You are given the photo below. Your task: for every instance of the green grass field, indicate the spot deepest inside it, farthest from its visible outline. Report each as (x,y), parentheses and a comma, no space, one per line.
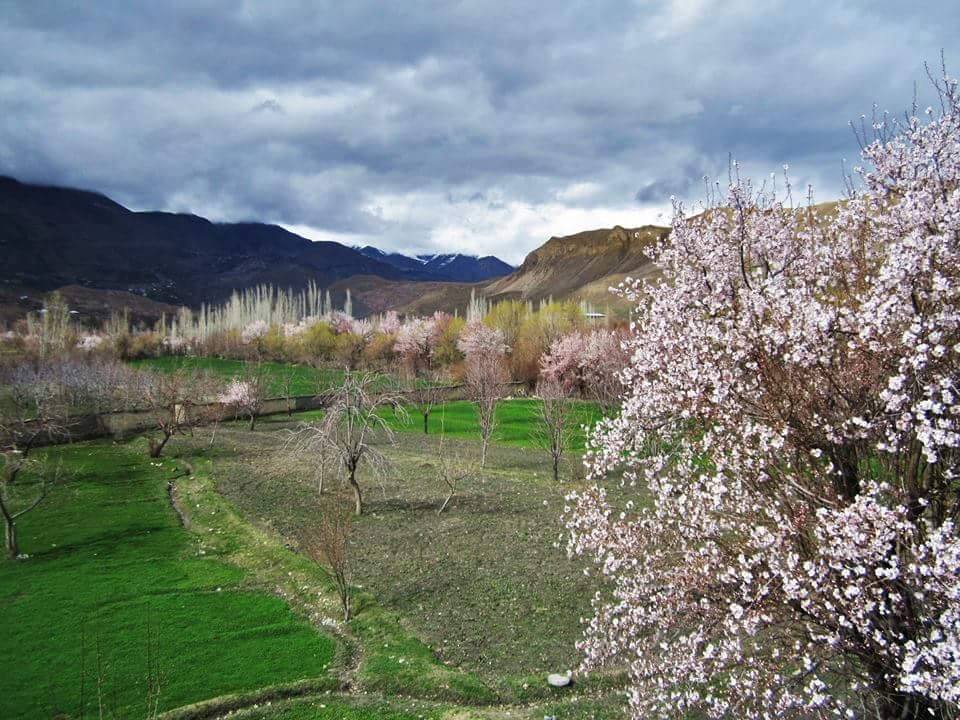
(517,423)
(109,568)
(458,616)
(305,380)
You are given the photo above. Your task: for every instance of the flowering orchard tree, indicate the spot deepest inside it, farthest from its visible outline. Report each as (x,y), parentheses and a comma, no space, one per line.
(485,376)
(480,340)
(792,409)
(564,362)
(413,344)
(590,364)
(362,327)
(175,343)
(605,355)
(298,328)
(89,342)
(245,397)
(341,322)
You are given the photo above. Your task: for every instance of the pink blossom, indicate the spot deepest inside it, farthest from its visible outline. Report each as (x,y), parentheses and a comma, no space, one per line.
(238,393)
(791,410)
(479,340)
(590,363)
(414,339)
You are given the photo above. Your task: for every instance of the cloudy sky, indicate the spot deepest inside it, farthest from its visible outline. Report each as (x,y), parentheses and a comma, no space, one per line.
(476,126)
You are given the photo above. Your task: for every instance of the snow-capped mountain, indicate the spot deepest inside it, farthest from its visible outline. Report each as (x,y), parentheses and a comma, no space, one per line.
(455,267)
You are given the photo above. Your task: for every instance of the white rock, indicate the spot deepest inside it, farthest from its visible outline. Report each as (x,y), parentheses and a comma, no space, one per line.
(558,680)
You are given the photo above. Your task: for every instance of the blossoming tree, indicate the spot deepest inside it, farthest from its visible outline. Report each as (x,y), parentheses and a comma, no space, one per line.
(589,364)
(485,376)
(413,344)
(245,396)
(792,410)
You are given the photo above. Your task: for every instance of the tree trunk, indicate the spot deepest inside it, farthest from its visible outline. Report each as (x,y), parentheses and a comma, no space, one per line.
(156,447)
(846,461)
(426,429)
(253,421)
(12,548)
(357,498)
(556,468)
(483,452)
(447,501)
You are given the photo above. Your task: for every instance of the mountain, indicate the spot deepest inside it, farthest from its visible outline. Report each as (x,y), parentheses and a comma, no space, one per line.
(582,266)
(455,267)
(52,237)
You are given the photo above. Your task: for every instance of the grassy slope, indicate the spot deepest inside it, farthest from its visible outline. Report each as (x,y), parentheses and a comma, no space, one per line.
(110,563)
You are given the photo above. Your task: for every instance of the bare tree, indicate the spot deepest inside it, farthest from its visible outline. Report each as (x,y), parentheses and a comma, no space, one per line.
(174,401)
(424,393)
(348,428)
(328,545)
(451,471)
(554,420)
(286,386)
(485,378)
(30,415)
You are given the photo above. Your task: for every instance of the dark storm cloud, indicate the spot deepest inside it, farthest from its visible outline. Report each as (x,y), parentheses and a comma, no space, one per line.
(475,125)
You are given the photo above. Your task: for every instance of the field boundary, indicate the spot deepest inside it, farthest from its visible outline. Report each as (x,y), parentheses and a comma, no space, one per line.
(121,424)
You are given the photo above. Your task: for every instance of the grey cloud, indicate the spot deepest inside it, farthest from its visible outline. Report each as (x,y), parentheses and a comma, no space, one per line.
(389,121)
(269,105)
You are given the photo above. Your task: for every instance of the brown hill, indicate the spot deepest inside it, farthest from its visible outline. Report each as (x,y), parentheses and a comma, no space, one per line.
(91,305)
(581,266)
(578,267)
(372,295)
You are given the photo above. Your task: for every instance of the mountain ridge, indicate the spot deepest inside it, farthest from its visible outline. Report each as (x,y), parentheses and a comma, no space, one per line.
(53,236)
(456,267)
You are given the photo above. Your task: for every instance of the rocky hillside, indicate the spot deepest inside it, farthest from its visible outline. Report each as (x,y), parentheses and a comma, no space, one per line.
(578,267)
(581,266)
